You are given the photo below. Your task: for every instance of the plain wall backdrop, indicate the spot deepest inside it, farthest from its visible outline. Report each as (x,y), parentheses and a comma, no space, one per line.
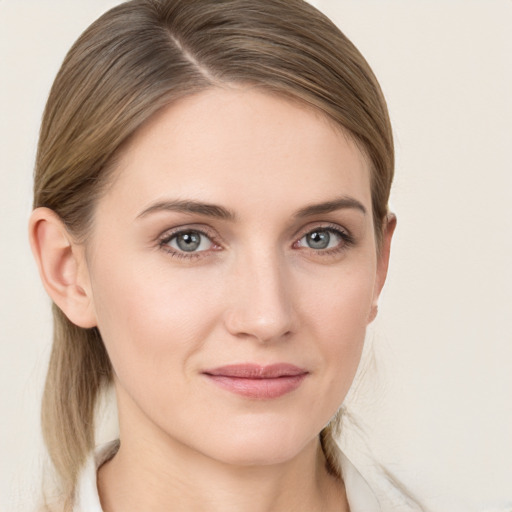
(439,410)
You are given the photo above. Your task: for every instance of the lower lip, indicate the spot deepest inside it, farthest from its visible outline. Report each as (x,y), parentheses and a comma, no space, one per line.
(262,389)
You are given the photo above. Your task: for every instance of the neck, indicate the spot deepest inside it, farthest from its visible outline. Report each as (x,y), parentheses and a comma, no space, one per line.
(154,472)
(132,482)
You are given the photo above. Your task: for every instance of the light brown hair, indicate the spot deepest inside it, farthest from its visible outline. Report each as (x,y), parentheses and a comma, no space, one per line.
(133,61)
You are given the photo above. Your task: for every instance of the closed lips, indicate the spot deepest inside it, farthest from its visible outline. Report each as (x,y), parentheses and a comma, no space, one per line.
(258,382)
(252,371)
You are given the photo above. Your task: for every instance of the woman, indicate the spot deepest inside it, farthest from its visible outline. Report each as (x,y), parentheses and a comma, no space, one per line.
(211,223)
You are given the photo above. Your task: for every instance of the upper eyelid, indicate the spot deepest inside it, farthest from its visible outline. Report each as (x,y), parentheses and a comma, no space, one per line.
(328,226)
(172,232)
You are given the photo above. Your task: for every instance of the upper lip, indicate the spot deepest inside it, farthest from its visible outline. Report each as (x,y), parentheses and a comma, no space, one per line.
(256,371)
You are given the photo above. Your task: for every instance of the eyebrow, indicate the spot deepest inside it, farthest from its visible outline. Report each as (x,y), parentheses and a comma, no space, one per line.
(341,203)
(219,212)
(189,206)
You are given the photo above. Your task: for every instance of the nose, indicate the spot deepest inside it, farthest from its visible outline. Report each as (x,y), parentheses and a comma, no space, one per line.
(260,304)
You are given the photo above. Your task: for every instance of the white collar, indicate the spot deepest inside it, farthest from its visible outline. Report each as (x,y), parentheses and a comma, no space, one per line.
(360,495)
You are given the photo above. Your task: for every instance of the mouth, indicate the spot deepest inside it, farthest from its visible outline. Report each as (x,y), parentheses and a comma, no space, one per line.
(258,382)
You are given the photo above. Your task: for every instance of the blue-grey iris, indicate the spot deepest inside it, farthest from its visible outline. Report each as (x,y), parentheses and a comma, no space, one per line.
(188,241)
(318,239)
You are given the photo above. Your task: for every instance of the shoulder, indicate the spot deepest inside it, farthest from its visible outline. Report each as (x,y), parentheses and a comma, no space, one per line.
(371,487)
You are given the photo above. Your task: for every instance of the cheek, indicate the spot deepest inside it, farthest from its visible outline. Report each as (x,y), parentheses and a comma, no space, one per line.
(339,314)
(148,318)
(341,301)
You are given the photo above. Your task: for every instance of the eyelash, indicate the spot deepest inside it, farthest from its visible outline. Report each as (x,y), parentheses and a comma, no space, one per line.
(167,237)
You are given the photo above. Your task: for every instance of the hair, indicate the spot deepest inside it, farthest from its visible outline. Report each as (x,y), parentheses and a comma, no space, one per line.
(138,58)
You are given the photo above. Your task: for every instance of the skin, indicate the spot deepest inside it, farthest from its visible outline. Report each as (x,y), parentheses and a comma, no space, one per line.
(253,291)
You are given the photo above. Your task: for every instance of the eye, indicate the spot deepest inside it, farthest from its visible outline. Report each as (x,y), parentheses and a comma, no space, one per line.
(325,239)
(188,241)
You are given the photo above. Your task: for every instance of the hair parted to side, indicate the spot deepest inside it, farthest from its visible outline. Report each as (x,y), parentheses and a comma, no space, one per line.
(137,58)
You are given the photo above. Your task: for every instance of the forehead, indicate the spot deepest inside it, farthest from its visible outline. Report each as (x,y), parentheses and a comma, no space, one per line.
(240,146)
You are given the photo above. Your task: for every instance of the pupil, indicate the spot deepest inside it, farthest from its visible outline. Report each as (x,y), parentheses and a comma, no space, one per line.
(189,241)
(318,239)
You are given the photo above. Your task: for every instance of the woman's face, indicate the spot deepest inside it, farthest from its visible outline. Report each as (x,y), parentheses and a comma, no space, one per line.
(232,268)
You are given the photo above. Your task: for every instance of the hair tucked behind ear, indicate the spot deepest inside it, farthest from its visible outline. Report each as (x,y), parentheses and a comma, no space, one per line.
(137,58)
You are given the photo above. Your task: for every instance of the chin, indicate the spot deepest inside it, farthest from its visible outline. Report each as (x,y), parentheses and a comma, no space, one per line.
(261,445)
(259,454)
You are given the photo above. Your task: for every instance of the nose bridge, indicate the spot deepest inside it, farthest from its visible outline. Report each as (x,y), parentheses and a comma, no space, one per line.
(261,305)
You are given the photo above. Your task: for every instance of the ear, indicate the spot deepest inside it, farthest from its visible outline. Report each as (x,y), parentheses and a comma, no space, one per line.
(382,262)
(62,267)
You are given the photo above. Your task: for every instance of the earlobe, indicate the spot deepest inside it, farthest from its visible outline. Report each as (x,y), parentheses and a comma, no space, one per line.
(382,263)
(62,267)
(373,312)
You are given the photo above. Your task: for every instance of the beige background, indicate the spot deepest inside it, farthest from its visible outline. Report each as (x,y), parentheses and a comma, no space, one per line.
(438,410)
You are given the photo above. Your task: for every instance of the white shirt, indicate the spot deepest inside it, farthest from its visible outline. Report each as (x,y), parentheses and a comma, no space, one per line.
(368,488)
(360,496)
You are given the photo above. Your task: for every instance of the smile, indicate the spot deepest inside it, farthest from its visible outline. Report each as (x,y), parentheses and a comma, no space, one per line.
(259,382)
